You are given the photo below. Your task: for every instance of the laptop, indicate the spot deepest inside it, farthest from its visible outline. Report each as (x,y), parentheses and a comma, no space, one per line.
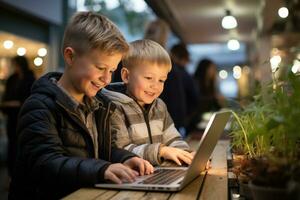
(176,178)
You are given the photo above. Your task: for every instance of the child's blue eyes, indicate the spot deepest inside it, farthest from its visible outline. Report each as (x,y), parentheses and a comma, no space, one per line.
(100,68)
(103,68)
(150,78)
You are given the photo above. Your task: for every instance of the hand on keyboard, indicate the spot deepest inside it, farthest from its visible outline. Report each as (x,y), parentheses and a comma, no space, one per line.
(118,172)
(140,165)
(179,156)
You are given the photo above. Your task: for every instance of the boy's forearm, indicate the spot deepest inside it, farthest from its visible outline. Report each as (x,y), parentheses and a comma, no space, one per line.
(47,167)
(70,170)
(151,153)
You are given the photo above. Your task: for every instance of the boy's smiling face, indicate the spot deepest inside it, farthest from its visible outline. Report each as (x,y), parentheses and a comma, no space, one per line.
(145,82)
(91,72)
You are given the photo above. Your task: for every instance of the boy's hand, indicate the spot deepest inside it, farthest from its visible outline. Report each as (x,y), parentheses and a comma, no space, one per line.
(208,164)
(118,172)
(193,153)
(177,155)
(143,166)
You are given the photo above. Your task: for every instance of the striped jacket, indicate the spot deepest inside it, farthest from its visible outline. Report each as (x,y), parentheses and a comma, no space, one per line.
(142,131)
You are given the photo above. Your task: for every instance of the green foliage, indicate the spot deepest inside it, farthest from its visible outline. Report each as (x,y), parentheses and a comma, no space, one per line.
(267,131)
(269,127)
(249,131)
(123,14)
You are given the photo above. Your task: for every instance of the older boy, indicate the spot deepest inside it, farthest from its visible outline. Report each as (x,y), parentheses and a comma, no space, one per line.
(143,125)
(64,134)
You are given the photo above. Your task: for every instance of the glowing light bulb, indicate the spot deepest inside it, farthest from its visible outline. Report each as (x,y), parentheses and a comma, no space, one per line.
(42,52)
(8,44)
(21,51)
(38,61)
(233,45)
(223,74)
(283,12)
(229,22)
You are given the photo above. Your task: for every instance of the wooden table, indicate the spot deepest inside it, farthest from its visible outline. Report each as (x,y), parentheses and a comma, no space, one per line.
(214,187)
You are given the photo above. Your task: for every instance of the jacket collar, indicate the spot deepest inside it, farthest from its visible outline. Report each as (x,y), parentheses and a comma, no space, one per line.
(47,85)
(117,95)
(117,92)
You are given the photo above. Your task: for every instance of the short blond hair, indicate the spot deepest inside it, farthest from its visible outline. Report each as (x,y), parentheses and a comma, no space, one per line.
(88,30)
(146,51)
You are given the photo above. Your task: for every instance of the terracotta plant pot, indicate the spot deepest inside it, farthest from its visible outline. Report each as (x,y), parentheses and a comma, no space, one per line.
(264,192)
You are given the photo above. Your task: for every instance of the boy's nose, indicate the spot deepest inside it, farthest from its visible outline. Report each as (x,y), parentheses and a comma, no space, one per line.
(154,85)
(106,78)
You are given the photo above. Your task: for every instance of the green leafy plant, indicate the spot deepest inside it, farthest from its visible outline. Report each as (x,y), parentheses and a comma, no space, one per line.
(249,131)
(267,132)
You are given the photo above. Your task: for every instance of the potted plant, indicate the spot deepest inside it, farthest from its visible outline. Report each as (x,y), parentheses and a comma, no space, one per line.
(248,141)
(266,132)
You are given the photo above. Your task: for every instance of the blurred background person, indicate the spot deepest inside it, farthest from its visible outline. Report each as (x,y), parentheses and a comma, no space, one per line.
(158,31)
(180,59)
(17,89)
(206,82)
(174,97)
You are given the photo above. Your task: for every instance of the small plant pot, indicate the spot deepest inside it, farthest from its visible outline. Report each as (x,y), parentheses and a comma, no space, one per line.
(265,192)
(245,191)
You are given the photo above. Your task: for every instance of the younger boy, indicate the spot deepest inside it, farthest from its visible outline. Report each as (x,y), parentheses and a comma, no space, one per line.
(143,125)
(64,137)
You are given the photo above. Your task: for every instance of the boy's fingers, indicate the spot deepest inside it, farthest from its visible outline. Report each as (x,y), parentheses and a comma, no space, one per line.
(133,173)
(148,168)
(114,178)
(127,175)
(141,167)
(185,159)
(151,168)
(136,173)
(188,155)
(208,164)
(193,153)
(175,159)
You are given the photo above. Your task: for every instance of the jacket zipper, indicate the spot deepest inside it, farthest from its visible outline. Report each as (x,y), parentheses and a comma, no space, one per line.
(145,114)
(146,118)
(107,129)
(148,127)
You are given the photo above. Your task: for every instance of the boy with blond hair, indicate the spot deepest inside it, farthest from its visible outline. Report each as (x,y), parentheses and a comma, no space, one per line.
(143,124)
(64,140)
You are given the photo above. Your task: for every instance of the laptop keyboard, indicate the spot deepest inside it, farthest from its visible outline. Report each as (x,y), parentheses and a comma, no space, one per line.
(164,176)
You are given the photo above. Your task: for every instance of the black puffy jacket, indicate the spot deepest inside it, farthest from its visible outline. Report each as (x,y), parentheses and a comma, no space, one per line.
(55,151)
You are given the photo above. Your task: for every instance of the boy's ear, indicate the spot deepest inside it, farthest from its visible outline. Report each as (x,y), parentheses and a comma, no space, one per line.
(125,75)
(69,54)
